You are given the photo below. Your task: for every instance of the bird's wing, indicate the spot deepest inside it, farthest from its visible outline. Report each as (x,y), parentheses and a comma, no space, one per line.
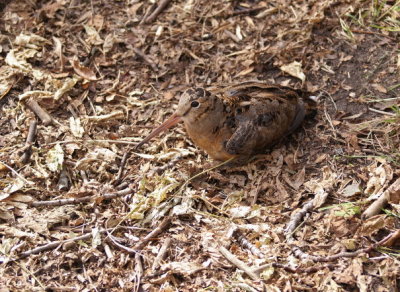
(264,114)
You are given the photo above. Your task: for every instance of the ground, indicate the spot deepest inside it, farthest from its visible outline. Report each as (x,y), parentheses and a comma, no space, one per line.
(95,77)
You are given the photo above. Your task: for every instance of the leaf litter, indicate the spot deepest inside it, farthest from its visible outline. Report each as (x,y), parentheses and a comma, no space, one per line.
(99,75)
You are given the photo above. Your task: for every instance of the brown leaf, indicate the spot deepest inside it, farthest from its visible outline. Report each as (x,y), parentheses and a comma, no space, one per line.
(373,225)
(83,71)
(379,88)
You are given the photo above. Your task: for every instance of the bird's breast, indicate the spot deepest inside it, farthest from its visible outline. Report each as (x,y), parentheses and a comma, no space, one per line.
(210,140)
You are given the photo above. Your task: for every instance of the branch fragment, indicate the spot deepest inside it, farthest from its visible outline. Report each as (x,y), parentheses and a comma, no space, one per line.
(163,4)
(247,244)
(55,244)
(238,263)
(158,230)
(146,58)
(29,141)
(161,254)
(42,114)
(63,202)
(392,191)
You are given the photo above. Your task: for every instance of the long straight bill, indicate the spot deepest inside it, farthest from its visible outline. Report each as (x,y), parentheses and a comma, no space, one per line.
(173,120)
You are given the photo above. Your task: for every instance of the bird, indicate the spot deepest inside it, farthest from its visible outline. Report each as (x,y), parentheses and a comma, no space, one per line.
(238,121)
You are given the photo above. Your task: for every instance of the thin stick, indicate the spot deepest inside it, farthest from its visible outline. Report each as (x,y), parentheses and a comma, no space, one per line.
(17,174)
(63,202)
(148,12)
(163,4)
(238,263)
(116,243)
(296,218)
(54,244)
(381,112)
(394,236)
(394,6)
(245,11)
(160,228)
(145,58)
(29,141)
(203,172)
(162,253)
(352,254)
(372,32)
(122,167)
(308,270)
(92,141)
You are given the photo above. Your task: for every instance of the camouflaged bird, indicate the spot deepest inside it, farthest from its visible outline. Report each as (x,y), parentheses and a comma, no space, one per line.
(237,121)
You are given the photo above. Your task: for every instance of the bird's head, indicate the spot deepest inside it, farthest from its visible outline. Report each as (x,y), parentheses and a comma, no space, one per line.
(193,106)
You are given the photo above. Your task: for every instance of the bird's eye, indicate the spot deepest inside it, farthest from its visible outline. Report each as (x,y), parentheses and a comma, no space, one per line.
(195,104)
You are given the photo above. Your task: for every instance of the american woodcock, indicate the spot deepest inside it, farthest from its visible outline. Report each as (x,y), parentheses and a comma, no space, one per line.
(237,121)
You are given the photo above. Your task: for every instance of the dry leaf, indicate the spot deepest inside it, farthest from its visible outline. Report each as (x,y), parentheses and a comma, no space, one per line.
(55,158)
(76,128)
(83,71)
(379,88)
(294,69)
(373,225)
(67,85)
(93,36)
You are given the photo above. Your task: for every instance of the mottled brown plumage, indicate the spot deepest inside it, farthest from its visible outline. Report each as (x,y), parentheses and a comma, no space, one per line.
(237,121)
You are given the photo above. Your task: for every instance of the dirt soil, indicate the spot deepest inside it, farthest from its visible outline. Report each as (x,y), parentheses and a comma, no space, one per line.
(82,82)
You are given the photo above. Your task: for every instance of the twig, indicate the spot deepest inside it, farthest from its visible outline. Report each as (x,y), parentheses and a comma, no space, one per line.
(372,32)
(238,263)
(168,165)
(161,254)
(163,4)
(394,6)
(201,173)
(55,244)
(308,270)
(375,207)
(247,244)
(138,273)
(244,11)
(62,202)
(330,122)
(116,243)
(296,218)
(32,274)
(122,167)
(16,173)
(392,236)
(381,112)
(138,264)
(29,141)
(148,12)
(43,115)
(145,58)
(159,229)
